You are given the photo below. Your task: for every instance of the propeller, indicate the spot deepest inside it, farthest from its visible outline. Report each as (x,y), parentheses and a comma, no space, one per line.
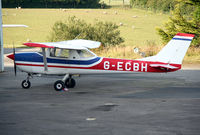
(15,68)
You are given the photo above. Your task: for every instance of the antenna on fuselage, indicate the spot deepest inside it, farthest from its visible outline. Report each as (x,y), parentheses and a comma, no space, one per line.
(77,36)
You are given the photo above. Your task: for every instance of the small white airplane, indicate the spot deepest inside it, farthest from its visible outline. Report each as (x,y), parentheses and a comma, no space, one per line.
(73,57)
(14,25)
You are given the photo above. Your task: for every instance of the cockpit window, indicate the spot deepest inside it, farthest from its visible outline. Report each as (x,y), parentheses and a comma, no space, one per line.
(57,52)
(70,53)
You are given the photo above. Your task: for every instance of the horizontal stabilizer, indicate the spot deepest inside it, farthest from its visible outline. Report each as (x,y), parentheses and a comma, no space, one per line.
(163,66)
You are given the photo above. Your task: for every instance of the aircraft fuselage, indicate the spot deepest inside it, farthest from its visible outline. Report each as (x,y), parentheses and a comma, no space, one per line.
(32,62)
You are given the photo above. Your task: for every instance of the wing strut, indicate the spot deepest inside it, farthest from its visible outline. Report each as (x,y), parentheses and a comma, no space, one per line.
(44,59)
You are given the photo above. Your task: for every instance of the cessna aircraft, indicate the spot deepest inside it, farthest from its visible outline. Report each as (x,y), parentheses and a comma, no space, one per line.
(73,57)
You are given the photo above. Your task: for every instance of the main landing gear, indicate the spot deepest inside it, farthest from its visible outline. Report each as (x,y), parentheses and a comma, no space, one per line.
(66,82)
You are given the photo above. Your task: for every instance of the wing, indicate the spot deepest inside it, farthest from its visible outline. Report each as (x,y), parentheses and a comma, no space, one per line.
(162,66)
(77,44)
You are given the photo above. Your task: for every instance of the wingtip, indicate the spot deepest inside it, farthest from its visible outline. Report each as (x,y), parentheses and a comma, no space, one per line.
(27,44)
(24,43)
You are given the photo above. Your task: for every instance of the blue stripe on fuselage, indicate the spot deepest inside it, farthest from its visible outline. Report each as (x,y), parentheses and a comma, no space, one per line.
(182,39)
(35,57)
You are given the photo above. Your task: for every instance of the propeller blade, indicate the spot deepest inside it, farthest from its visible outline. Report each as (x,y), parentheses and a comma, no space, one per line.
(15,68)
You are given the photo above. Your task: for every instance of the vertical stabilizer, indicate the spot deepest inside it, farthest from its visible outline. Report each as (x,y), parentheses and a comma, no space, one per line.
(175,50)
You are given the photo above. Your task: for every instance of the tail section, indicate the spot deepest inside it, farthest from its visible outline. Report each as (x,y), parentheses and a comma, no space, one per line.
(174,51)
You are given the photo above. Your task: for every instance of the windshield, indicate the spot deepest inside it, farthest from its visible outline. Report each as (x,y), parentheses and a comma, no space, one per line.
(71,54)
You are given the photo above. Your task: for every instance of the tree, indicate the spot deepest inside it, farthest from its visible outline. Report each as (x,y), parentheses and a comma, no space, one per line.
(182,21)
(105,32)
(156,5)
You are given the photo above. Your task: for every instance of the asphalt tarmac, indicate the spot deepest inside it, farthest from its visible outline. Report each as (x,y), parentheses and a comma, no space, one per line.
(128,104)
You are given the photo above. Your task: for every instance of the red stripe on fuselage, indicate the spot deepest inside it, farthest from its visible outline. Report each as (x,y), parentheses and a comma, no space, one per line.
(131,65)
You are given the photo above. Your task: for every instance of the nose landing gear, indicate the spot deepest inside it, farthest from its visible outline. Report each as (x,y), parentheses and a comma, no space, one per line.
(26,84)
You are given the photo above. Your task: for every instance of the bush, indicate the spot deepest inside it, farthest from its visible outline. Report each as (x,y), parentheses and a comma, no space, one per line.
(105,32)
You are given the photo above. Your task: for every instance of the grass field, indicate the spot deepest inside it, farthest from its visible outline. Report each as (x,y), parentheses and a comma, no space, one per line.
(138,27)
(116,2)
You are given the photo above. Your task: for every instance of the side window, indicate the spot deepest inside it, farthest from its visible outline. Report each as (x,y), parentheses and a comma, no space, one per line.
(64,53)
(85,54)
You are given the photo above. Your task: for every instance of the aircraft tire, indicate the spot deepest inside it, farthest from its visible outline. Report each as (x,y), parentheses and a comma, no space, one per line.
(70,83)
(26,84)
(59,85)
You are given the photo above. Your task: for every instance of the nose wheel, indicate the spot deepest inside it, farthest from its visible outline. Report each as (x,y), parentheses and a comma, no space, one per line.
(26,84)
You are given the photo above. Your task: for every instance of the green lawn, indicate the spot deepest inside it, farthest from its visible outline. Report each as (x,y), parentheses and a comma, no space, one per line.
(138,25)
